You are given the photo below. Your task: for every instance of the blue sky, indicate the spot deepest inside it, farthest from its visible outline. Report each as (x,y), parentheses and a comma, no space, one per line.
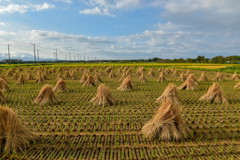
(120,29)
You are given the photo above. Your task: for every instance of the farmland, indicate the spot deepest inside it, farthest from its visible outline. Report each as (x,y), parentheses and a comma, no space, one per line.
(75,129)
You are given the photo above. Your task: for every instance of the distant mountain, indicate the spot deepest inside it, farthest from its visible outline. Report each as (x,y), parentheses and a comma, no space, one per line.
(23,57)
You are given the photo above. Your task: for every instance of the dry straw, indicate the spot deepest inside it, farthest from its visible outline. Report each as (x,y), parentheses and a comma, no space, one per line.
(73,76)
(175,73)
(21,80)
(2,98)
(15,76)
(214,94)
(182,77)
(2,77)
(161,77)
(187,73)
(203,77)
(167,123)
(219,77)
(169,93)
(40,78)
(237,86)
(151,73)
(103,97)
(111,74)
(90,81)
(189,84)
(126,84)
(122,77)
(46,96)
(3,85)
(97,78)
(14,136)
(29,76)
(10,72)
(235,76)
(83,78)
(60,86)
(167,71)
(66,75)
(142,78)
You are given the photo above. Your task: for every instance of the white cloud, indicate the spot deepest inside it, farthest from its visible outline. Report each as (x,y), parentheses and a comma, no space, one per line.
(2,24)
(204,14)
(44,6)
(109,6)
(96,11)
(12,8)
(64,1)
(163,42)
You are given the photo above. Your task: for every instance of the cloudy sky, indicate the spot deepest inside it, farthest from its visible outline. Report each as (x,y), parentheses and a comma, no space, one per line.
(120,29)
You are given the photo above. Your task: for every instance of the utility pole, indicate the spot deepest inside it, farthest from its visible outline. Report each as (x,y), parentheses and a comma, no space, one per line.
(9,62)
(34,50)
(66,57)
(56,56)
(84,58)
(69,56)
(38,55)
(78,57)
(74,57)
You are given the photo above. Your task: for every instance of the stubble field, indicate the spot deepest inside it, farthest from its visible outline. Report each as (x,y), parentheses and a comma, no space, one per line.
(75,129)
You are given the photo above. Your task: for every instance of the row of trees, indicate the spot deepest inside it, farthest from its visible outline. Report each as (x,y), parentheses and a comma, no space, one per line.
(199,59)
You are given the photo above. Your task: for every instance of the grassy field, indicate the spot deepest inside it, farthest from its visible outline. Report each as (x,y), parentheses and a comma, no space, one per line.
(75,129)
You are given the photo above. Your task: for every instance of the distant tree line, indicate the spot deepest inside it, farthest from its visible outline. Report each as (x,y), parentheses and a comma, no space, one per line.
(199,59)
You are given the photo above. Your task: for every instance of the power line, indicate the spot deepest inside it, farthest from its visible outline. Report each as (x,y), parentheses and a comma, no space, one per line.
(69,56)
(34,50)
(9,62)
(56,56)
(38,55)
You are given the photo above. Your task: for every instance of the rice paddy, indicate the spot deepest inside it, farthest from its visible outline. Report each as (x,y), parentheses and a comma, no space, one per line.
(75,128)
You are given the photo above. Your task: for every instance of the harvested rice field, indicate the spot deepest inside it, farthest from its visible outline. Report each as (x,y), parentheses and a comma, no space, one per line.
(71,127)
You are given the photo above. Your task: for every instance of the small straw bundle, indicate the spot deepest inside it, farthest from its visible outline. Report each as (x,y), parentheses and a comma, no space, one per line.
(66,75)
(13,135)
(83,78)
(161,77)
(103,97)
(21,80)
(40,78)
(122,77)
(235,76)
(189,84)
(182,77)
(203,77)
(29,76)
(171,93)
(126,84)
(214,94)
(46,96)
(97,78)
(187,73)
(90,81)
(60,86)
(3,85)
(219,77)
(15,76)
(142,78)
(111,74)
(167,123)
(175,73)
